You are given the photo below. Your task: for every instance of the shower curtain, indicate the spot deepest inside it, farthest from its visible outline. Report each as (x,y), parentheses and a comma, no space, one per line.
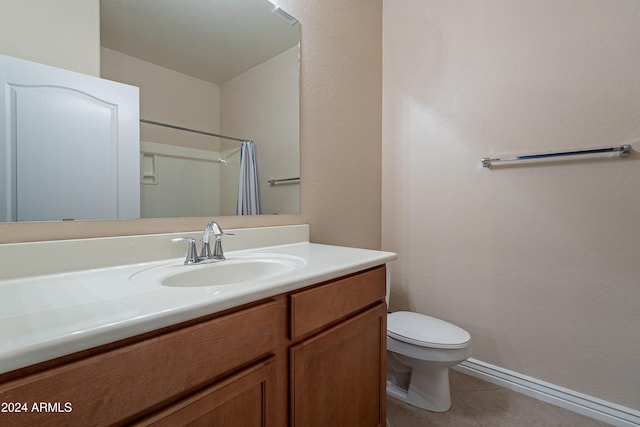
(248,197)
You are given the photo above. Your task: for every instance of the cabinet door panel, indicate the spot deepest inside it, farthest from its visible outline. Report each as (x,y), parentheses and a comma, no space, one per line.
(337,377)
(243,400)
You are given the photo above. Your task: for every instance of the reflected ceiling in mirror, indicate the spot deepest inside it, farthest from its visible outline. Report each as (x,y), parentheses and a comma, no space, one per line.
(211,40)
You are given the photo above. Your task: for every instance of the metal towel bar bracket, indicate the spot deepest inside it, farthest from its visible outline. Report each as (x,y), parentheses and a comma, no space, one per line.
(625,151)
(284,181)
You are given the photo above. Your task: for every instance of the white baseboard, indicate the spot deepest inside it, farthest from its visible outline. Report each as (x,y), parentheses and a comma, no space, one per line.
(577,402)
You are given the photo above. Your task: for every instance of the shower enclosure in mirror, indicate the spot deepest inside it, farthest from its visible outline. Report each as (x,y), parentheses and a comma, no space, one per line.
(225,67)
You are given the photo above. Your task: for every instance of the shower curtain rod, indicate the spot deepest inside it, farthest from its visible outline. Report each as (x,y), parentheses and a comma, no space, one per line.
(151,122)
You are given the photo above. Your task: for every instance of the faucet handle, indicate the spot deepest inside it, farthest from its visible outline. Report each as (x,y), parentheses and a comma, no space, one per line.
(217,230)
(218,253)
(192,252)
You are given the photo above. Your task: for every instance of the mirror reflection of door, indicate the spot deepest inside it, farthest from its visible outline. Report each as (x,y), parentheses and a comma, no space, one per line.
(70,144)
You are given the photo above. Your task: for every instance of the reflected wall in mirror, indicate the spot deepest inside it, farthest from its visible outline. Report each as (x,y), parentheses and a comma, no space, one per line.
(227,67)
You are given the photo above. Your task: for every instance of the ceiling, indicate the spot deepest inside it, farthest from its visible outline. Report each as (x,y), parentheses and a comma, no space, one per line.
(212,40)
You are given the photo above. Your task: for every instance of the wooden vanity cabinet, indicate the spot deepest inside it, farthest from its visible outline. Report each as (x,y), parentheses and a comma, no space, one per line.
(335,376)
(338,353)
(125,384)
(314,357)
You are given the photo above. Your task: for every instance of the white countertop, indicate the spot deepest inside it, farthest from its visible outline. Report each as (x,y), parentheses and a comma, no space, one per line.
(47,316)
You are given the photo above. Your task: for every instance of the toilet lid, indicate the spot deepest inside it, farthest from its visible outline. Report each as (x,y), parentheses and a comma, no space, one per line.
(426,331)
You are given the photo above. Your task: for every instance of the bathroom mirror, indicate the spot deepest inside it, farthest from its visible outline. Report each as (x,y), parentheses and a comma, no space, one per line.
(226,67)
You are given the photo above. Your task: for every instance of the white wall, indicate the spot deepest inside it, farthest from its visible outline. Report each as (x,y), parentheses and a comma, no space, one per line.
(229,178)
(64,33)
(263,104)
(185,188)
(178,181)
(538,262)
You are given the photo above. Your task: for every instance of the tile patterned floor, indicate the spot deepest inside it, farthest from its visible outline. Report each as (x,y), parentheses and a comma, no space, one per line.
(477,403)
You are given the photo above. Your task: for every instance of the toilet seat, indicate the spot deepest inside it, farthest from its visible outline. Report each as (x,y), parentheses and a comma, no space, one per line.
(426,331)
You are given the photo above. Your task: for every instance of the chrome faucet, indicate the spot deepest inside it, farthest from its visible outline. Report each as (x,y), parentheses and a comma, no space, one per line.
(218,254)
(205,254)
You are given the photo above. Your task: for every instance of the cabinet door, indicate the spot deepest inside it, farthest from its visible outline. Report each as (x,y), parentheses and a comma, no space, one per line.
(338,376)
(69,145)
(243,400)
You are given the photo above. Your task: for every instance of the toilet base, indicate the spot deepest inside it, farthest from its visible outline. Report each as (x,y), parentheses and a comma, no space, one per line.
(428,389)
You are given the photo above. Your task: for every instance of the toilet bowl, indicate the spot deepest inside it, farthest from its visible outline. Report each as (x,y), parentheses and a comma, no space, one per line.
(420,350)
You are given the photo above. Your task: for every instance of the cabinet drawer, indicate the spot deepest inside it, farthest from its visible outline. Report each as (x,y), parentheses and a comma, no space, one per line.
(116,385)
(320,306)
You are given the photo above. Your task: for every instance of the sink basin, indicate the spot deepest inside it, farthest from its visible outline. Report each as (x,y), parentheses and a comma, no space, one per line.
(233,271)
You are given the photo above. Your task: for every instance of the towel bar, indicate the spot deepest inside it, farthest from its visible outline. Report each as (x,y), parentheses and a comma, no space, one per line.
(625,151)
(284,180)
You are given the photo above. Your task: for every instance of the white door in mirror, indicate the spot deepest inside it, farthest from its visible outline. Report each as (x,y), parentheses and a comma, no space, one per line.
(59,120)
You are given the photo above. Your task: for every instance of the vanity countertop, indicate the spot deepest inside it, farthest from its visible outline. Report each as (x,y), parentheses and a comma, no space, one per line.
(47,316)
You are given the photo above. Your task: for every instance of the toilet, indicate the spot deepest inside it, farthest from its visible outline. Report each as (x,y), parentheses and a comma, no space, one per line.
(420,350)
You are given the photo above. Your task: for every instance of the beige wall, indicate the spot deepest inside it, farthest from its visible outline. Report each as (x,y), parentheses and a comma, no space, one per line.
(242,107)
(340,134)
(169,97)
(64,33)
(538,262)
(341,75)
